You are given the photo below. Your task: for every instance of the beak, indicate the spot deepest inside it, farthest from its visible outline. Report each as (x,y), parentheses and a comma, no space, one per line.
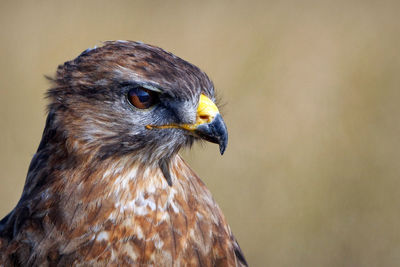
(214,132)
(209,124)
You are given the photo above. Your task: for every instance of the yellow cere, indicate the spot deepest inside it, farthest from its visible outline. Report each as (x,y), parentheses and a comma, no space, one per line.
(206,113)
(207,110)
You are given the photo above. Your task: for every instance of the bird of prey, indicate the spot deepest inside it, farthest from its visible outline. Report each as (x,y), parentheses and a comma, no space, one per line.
(107,186)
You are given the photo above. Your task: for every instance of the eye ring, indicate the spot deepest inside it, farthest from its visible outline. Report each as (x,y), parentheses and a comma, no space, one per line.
(142,98)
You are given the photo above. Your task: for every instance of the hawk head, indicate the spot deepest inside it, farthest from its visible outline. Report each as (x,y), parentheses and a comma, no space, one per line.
(129,97)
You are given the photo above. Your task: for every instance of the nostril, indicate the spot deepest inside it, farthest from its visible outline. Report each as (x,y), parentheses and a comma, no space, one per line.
(204,117)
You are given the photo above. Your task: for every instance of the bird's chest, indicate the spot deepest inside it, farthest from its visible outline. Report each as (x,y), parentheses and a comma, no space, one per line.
(156,223)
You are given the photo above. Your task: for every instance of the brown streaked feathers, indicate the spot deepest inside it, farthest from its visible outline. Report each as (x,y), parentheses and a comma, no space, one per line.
(102,189)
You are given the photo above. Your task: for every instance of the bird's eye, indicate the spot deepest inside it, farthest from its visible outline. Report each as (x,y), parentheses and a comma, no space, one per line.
(142,98)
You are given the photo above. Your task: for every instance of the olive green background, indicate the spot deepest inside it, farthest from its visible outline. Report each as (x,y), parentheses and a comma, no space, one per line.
(311,176)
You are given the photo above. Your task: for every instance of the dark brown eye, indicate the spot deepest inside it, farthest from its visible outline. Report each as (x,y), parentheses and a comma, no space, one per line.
(142,98)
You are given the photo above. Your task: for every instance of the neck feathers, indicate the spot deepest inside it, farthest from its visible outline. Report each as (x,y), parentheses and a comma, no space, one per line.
(114,209)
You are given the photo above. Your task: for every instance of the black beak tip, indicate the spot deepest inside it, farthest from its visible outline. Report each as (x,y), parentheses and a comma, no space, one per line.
(215,132)
(222,147)
(222,133)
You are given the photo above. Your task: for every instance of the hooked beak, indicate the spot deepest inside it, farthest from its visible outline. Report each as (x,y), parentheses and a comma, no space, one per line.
(209,124)
(214,132)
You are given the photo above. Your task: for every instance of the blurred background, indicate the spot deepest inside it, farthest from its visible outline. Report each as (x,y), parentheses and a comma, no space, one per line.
(311,176)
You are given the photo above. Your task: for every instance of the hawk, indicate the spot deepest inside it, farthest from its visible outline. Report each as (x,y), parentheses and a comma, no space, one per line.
(107,186)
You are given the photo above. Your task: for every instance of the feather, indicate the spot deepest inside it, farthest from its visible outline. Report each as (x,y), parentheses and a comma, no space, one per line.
(102,189)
